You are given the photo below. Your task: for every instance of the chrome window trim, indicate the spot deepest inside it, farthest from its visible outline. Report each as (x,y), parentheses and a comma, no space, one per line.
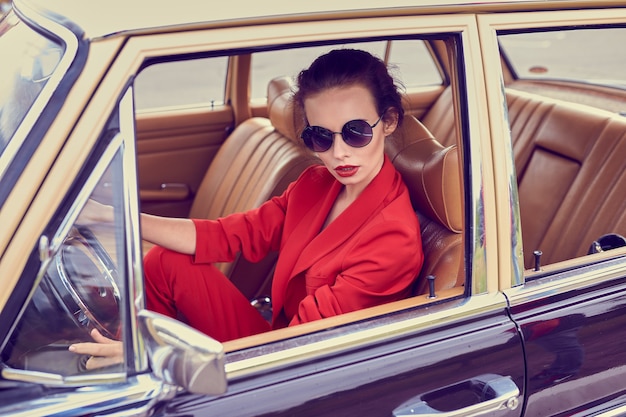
(141,389)
(48,256)
(382,329)
(568,280)
(70,42)
(134,273)
(133,289)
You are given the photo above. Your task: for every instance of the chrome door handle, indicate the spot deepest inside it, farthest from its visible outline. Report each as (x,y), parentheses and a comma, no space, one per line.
(493,393)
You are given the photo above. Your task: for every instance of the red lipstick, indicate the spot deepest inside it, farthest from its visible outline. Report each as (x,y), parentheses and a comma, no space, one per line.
(346,170)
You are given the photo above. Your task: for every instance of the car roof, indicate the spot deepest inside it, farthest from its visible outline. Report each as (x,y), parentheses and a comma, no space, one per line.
(99,19)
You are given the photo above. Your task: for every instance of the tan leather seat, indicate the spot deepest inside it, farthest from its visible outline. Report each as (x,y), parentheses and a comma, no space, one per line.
(570,171)
(261,157)
(571,174)
(432,175)
(440,119)
(256,162)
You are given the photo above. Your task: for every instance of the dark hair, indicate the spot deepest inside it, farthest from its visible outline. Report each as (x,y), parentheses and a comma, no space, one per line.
(347,67)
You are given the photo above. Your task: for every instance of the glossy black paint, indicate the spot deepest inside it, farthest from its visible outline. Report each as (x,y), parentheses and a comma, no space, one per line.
(375,379)
(574,342)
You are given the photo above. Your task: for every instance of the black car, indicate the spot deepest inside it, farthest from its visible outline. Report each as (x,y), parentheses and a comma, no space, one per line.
(514,153)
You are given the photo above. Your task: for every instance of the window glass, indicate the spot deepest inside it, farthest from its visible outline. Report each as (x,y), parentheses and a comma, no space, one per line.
(182,83)
(568,141)
(81,286)
(28,61)
(414,63)
(410,60)
(586,55)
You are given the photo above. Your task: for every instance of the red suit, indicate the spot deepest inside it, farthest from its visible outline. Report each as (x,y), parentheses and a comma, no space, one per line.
(369,255)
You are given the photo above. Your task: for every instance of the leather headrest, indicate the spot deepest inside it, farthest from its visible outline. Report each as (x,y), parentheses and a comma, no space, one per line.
(430,171)
(280,107)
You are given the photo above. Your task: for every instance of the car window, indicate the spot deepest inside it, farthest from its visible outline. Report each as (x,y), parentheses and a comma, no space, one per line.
(181,83)
(580,55)
(81,282)
(568,138)
(28,61)
(414,62)
(410,60)
(231,189)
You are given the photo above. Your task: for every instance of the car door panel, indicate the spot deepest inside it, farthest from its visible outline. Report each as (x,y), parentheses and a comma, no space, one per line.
(174,150)
(384,377)
(573,337)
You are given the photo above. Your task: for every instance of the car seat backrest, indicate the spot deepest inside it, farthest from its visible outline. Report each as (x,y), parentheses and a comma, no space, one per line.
(432,175)
(570,166)
(440,119)
(256,162)
(571,174)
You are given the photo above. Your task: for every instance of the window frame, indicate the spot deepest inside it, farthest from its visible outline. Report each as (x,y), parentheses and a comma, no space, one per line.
(259,350)
(382,327)
(121,141)
(554,274)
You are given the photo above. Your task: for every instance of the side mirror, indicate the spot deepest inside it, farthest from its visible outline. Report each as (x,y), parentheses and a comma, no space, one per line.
(182,356)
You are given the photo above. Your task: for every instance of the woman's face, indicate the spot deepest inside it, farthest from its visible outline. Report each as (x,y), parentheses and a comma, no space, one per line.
(331,109)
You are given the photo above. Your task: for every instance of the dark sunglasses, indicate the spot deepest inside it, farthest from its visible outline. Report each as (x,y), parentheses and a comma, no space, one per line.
(356,133)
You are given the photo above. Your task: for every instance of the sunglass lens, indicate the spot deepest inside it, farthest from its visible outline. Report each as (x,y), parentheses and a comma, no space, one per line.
(357,133)
(318,139)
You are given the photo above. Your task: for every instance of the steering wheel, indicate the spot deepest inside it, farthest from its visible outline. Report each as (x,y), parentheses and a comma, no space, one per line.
(83,279)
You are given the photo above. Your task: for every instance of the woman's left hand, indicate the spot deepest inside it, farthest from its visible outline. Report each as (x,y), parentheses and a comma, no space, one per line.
(104,352)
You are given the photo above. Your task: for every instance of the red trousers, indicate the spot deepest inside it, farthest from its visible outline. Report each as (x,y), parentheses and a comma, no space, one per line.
(200,295)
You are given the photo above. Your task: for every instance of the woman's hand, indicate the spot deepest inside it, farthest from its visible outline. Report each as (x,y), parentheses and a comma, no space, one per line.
(104,352)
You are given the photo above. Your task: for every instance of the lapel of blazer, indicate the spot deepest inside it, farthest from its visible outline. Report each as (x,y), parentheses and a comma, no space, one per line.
(306,244)
(347,223)
(313,209)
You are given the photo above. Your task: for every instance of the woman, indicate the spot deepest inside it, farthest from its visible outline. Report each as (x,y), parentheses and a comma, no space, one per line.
(346,232)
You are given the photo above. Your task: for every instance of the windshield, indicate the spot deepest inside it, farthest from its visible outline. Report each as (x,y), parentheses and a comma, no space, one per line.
(28,60)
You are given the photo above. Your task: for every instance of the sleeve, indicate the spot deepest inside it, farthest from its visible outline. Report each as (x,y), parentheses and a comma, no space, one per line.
(254,233)
(381,267)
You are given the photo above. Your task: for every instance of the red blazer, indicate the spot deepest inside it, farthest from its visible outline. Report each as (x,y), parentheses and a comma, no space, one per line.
(369,255)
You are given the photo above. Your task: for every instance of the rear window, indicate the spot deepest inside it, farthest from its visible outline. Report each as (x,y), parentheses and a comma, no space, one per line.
(590,55)
(410,61)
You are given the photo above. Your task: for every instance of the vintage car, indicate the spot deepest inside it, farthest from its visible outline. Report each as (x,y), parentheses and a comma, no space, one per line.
(513,150)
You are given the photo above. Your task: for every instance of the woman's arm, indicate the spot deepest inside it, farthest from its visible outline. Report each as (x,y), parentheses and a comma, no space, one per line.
(171,233)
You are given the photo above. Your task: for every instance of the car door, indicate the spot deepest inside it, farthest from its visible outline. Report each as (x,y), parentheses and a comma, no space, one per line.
(77,280)
(465,358)
(183,117)
(458,353)
(453,351)
(571,302)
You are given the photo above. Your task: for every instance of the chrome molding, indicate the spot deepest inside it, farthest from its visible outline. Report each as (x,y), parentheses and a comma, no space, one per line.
(517,251)
(308,347)
(135,290)
(141,389)
(569,280)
